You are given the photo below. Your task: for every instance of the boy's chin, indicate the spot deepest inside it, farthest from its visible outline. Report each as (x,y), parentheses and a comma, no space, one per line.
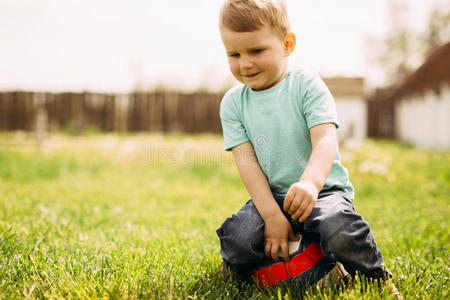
(255,85)
(259,87)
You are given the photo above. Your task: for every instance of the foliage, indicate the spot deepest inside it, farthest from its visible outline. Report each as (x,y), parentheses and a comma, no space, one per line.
(403,48)
(115,217)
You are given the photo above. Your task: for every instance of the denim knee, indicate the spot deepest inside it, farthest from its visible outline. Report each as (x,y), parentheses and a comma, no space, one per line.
(242,238)
(336,220)
(345,228)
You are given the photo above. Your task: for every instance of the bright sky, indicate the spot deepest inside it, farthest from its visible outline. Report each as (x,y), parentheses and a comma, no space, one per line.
(112,45)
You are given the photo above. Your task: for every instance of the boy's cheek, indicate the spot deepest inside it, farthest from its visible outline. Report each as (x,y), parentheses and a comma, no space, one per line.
(234,69)
(235,73)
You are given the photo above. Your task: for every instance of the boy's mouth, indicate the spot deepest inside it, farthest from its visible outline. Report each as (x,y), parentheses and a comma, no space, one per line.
(251,75)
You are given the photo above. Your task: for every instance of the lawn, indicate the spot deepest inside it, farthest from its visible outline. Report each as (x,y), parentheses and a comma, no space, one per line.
(111,216)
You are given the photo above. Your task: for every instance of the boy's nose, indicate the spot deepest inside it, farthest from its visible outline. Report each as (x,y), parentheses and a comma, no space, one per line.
(246,63)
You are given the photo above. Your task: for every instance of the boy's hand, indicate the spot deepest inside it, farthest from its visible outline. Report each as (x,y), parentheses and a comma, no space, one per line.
(300,200)
(277,232)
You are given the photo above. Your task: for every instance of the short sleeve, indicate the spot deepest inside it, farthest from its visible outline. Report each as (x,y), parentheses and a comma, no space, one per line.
(317,102)
(234,132)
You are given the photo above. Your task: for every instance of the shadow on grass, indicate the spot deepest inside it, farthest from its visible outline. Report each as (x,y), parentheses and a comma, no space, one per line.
(213,284)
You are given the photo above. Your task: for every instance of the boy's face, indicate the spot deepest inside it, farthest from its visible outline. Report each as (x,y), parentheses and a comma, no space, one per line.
(256,58)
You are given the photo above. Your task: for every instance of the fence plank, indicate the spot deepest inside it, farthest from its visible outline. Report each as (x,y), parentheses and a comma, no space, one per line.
(2,113)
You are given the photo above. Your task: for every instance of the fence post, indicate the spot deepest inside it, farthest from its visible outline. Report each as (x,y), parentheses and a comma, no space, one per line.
(40,124)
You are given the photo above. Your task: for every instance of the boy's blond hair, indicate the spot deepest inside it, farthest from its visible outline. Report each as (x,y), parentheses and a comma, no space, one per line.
(251,15)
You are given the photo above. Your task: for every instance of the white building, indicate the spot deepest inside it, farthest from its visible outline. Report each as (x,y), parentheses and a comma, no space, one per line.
(350,96)
(422,103)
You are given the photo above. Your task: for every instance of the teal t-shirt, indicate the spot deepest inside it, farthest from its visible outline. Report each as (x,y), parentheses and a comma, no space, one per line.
(277,121)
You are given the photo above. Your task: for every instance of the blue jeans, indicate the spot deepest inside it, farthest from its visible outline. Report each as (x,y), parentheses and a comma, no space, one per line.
(334,222)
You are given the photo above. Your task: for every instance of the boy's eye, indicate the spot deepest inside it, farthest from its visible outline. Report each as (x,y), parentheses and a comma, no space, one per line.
(234,55)
(256,51)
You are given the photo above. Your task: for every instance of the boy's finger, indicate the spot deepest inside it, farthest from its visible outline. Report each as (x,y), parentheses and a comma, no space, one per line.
(267,249)
(303,207)
(285,251)
(295,203)
(299,211)
(274,251)
(306,214)
(287,201)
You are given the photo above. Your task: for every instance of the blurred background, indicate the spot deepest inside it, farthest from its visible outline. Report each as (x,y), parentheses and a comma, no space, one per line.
(159,66)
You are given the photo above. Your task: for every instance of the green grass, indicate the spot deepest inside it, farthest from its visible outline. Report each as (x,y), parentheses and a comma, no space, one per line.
(116,216)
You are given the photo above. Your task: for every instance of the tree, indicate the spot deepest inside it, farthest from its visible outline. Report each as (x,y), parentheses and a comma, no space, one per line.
(438,31)
(402,50)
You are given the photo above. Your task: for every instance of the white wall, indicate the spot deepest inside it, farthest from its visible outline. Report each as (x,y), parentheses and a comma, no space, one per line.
(424,121)
(352,115)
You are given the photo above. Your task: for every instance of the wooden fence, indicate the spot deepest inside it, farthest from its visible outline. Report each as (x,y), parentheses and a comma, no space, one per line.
(381,115)
(144,112)
(151,112)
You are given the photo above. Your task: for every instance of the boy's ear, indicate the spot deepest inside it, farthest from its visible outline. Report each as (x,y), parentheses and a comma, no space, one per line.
(289,43)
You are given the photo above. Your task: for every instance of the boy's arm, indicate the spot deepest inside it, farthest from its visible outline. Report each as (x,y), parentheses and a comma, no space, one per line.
(302,195)
(277,229)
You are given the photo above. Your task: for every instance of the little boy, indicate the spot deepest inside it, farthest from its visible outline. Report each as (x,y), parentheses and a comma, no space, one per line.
(281,128)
